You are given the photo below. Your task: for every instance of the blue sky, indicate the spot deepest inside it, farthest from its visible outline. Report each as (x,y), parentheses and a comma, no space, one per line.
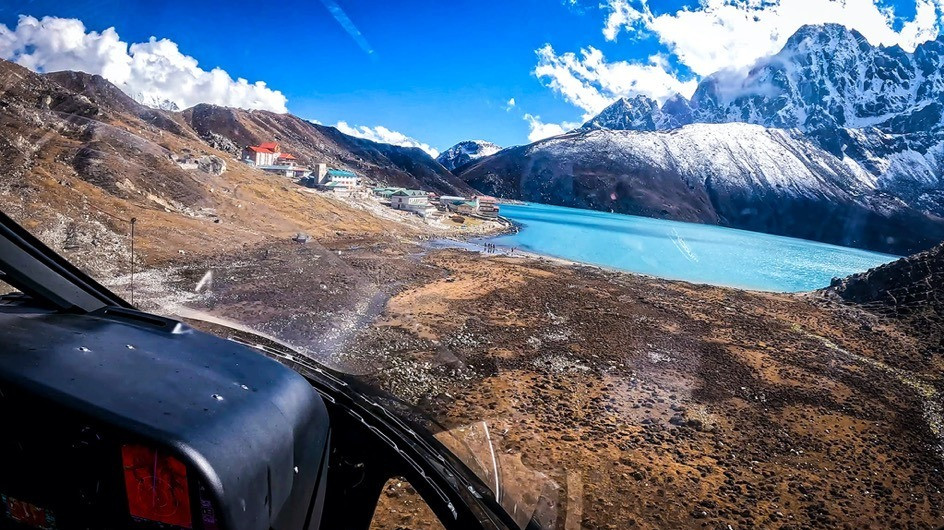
(444,71)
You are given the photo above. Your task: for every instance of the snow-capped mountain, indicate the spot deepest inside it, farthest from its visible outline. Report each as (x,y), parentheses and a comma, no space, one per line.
(825,77)
(831,138)
(829,76)
(875,106)
(733,174)
(464,152)
(152,100)
(639,113)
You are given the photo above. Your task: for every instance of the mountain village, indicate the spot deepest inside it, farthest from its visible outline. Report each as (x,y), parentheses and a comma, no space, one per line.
(269,157)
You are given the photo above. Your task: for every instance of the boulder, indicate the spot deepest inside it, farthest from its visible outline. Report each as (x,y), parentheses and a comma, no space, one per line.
(211,164)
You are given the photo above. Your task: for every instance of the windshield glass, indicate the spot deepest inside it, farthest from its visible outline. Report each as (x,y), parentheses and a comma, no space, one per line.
(649,264)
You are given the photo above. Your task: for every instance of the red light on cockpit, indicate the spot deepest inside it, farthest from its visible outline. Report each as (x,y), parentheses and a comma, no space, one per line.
(157,487)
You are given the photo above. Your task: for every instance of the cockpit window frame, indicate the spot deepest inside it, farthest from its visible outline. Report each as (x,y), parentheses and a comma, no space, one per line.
(27,264)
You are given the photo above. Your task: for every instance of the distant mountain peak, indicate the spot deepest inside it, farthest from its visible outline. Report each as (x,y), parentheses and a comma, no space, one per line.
(829,31)
(154,101)
(464,152)
(825,77)
(639,113)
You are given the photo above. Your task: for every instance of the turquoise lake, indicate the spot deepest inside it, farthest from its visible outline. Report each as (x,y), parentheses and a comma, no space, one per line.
(683,251)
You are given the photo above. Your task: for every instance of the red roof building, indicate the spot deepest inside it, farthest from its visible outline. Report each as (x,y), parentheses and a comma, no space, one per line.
(267,154)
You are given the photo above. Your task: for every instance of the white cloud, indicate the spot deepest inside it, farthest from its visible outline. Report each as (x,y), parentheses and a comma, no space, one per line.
(621,15)
(541,130)
(734,34)
(384,135)
(510,105)
(152,72)
(591,83)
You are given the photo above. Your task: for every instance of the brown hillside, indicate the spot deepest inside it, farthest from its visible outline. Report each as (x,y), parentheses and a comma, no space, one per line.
(80,159)
(312,143)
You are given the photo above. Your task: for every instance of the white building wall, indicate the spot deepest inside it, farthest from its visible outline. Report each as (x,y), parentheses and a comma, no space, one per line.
(320,171)
(402,202)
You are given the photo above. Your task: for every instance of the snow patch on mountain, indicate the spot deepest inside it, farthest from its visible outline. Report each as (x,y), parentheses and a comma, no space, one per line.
(732,155)
(152,100)
(464,152)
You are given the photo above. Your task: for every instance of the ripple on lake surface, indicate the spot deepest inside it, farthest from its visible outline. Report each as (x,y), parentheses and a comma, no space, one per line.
(684,251)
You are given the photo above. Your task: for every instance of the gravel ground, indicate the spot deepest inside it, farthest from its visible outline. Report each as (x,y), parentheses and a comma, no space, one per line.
(611,400)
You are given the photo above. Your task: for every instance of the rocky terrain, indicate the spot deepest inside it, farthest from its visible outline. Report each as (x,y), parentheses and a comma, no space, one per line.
(910,291)
(843,114)
(656,404)
(613,400)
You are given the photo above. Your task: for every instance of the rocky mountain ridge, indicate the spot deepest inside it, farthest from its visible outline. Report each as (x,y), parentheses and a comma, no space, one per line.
(825,77)
(465,152)
(878,106)
(231,129)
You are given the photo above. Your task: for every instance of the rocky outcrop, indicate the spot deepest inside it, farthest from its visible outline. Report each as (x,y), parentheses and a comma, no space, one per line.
(909,291)
(218,141)
(910,285)
(211,164)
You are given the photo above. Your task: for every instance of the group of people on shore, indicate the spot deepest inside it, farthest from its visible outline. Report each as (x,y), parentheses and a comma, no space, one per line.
(491,248)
